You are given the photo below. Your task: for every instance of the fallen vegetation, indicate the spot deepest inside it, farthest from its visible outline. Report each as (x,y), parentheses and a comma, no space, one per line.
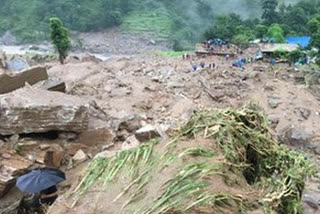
(233,146)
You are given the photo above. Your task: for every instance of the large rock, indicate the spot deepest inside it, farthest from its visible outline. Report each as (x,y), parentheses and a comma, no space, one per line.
(17,64)
(295,137)
(52,84)
(30,110)
(147,133)
(12,81)
(10,169)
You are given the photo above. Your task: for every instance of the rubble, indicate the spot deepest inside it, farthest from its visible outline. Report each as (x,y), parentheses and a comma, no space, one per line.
(11,81)
(303,112)
(10,168)
(52,84)
(273,102)
(53,157)
(29,110)
(130,143)
(80,157)
(147,133)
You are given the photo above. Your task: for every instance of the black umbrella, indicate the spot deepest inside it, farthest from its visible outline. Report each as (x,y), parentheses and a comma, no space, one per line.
(40,179)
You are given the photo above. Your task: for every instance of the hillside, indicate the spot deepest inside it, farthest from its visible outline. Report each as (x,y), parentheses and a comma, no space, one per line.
(174,20)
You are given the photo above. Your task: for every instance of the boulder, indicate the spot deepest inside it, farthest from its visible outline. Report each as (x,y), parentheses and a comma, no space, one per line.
(29,110)
(311,201)
(52,84)
(12,81)
(10,169)
(147,133)
(295,137)
(17,64)
(53,157)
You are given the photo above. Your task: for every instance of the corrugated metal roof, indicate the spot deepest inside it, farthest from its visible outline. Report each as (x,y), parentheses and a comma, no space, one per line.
(269,47)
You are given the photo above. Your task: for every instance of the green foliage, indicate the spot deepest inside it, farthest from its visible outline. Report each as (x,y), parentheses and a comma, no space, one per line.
(60,38)
(241,40)
(269,14)
(261,31)
(276,32)
(280,54)
(295,55)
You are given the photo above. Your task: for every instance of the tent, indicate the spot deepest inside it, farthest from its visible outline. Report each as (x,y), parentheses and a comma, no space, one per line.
(303,41)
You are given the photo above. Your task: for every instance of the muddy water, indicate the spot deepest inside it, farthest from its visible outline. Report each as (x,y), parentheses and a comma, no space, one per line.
(42,50)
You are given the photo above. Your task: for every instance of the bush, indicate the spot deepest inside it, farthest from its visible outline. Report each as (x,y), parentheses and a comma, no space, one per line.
(241,40)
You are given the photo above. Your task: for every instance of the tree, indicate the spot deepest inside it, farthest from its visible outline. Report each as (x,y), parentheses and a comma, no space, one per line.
(269,14)
(241,40)
(60,38)
(261,31)
(276,32)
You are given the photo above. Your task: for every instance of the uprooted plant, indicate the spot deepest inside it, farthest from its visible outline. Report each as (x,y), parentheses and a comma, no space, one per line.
(247,148)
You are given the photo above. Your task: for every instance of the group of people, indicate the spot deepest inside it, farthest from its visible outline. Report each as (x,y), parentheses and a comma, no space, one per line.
(241,61)
(202,65)
(213,43)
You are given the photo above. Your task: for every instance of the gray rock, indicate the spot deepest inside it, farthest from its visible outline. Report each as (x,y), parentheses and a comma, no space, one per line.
(303,112)
(273,102)
(311,201)
(52,84)
(17,64)
(274,120)
(29,110)
(295,137)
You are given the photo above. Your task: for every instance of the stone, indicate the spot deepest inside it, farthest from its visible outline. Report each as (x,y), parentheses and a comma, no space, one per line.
(52,84)
(17,64)
(175,85)
(107,146)
(311,200)
(10,81)
(44,147)
(105,154)
(29,110)
(130,143)
(274,120)
(295,137)
(53,157)
(80,157)
(303,112)
(147,133)
(10,169)
(273,102)
(3,58)
(6,156)
(70,136)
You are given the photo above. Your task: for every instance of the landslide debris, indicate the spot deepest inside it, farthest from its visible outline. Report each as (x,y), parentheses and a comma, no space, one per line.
(221,161)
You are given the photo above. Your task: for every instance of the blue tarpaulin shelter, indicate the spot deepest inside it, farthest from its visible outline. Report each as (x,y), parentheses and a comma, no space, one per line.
(303,41)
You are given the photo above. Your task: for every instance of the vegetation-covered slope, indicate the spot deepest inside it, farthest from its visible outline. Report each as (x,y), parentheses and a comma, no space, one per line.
(221,161)
(183,21)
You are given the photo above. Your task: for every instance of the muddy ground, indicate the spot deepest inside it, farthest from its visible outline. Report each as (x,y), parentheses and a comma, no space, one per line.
(164,91)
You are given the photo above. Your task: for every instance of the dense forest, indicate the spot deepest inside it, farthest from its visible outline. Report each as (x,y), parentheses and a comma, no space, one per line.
(183,22)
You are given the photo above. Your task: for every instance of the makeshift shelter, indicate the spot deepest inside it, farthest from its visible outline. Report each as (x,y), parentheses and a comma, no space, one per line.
(268,49)
(302,41)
